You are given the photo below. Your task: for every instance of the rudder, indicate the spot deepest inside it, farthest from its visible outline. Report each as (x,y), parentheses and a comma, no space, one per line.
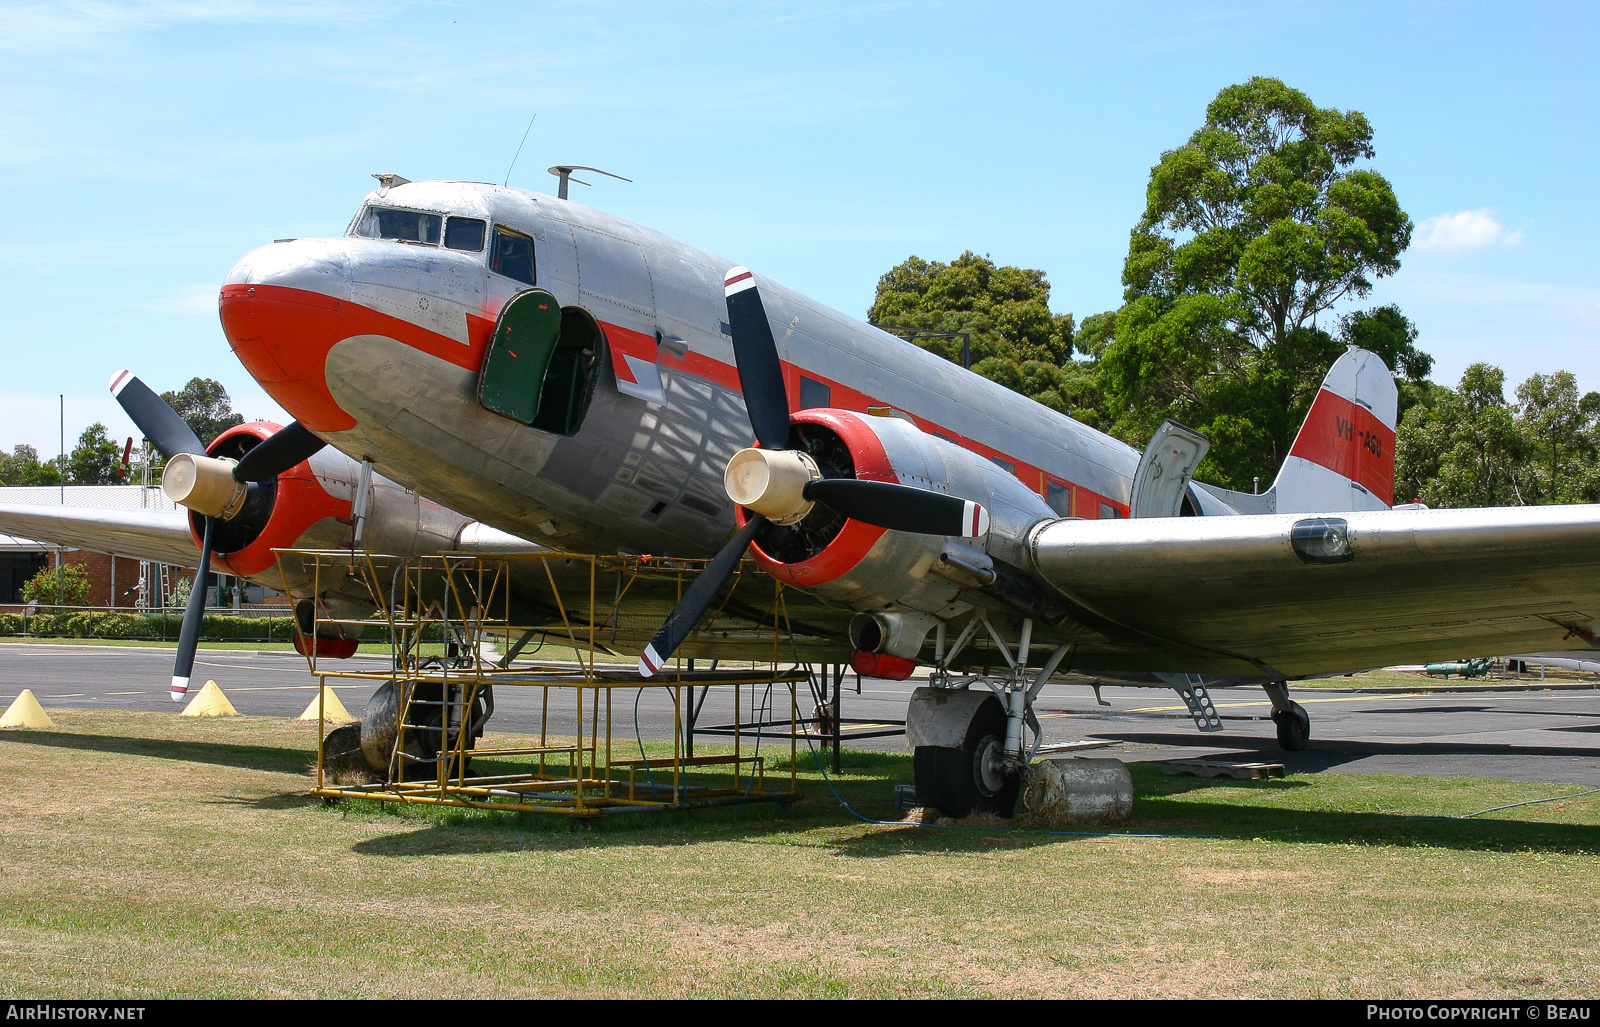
(1343,458)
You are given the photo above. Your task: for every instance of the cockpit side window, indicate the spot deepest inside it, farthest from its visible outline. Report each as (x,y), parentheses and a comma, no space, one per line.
(512,255)
(399,225)
(464,234)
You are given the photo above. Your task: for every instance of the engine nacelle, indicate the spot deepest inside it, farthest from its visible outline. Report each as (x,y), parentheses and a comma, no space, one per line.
(912,580)
(309,507)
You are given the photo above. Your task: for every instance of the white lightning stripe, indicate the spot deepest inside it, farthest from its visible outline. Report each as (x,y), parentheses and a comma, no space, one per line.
(738,280)
(120,380)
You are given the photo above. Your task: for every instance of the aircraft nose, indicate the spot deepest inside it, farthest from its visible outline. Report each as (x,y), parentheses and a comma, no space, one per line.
(284,306)
(310,265)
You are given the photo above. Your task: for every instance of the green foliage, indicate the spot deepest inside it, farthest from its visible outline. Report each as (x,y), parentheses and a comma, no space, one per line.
(204,406)
(1016,340)
(179,596)
(46,587)
(159,625)
(22,467)
(1251,230)
(1469,446)
(97,460)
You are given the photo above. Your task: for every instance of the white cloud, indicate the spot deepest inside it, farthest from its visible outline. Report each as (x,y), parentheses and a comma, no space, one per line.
(1462,231)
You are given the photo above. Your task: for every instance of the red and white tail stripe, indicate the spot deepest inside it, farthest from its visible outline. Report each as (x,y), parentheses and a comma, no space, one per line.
(738,280)
(1343,458)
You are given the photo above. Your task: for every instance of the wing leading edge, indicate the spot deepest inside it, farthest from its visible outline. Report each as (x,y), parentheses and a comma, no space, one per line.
(161,535)
(1366,589)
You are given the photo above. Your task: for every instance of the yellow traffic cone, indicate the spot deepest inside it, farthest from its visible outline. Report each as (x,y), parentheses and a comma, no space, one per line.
(210,702)
(332,709)
(25,711)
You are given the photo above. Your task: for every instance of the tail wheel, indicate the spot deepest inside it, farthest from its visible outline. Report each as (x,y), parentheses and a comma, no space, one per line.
(973,778)
(1294,727)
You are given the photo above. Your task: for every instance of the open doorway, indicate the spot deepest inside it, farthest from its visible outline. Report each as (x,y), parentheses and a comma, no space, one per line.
(542,364)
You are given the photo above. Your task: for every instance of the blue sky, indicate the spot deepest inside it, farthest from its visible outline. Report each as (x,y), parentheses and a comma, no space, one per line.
(146,146)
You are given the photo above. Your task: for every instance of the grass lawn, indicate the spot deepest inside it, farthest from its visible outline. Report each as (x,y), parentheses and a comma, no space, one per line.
(151,855)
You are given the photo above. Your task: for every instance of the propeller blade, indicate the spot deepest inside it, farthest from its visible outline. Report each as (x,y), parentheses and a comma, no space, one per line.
(697,599)
(901,507)
(189,634)
(277,453)
(756,356)
(159,422)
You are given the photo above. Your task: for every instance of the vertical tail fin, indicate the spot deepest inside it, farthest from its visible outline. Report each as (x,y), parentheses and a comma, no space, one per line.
(1343,458)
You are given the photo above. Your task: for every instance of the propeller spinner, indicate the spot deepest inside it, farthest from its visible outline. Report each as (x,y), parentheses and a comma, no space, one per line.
(215,489)
(781,485)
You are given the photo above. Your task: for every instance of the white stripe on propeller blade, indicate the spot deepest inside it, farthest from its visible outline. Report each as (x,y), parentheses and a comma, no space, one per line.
(974,520)
(738,280)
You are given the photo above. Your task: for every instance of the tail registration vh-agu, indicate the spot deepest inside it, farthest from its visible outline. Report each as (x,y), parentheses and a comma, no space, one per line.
(558,378)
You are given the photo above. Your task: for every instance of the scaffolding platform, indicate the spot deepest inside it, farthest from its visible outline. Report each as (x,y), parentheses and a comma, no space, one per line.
(465,607)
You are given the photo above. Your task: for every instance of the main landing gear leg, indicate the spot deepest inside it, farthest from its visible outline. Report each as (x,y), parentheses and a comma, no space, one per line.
(1294,723)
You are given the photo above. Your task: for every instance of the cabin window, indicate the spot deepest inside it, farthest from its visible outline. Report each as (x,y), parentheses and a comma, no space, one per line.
(400,225)
(814,394)
(1004,465)
(512,255)
(464,234)
(1058,497)
(1108,512)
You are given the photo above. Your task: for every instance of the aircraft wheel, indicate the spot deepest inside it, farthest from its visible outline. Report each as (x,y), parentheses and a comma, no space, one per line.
(973,778)
(343,761)
(425,734)
(1294,727)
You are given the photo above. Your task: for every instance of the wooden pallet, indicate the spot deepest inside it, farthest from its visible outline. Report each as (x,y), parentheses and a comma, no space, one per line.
(1216,768)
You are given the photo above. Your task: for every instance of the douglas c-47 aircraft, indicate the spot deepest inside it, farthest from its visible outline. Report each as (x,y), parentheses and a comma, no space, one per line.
(563,379)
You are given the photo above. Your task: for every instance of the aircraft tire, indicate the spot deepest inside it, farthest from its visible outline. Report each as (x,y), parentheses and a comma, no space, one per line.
(343,761)
(1294,727)
(955,781)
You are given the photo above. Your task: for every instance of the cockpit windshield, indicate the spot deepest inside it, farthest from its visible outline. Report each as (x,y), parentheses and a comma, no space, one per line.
(415,226)
(400,225)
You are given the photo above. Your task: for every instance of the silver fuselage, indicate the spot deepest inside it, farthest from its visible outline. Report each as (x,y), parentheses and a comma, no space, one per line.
(400,387)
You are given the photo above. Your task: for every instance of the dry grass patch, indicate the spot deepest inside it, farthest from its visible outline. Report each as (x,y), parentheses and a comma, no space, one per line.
(151,855)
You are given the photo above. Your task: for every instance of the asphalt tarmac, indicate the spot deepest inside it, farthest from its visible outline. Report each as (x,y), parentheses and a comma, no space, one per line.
(1548,736)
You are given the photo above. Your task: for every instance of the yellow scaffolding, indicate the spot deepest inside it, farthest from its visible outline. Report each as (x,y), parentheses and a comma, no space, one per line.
(468,600)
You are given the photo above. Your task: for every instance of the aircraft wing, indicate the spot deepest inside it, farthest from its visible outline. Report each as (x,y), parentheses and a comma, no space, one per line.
(1294,595)
(161,535)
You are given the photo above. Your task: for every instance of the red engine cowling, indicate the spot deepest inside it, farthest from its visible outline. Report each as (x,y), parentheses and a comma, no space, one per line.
(309,507)
(872,569)
(278,514)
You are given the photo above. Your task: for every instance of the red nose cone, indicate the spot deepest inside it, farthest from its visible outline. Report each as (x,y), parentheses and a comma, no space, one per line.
(282,336)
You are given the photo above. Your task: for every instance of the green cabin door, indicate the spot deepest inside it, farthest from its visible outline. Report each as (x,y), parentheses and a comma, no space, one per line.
(520,352)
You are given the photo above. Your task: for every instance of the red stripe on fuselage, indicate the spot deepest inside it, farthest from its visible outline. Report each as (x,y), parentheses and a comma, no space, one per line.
(283,335)
(1349,440)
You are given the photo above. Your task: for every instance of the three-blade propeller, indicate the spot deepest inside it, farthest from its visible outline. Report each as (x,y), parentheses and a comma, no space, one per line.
(215,489)
(780,485)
